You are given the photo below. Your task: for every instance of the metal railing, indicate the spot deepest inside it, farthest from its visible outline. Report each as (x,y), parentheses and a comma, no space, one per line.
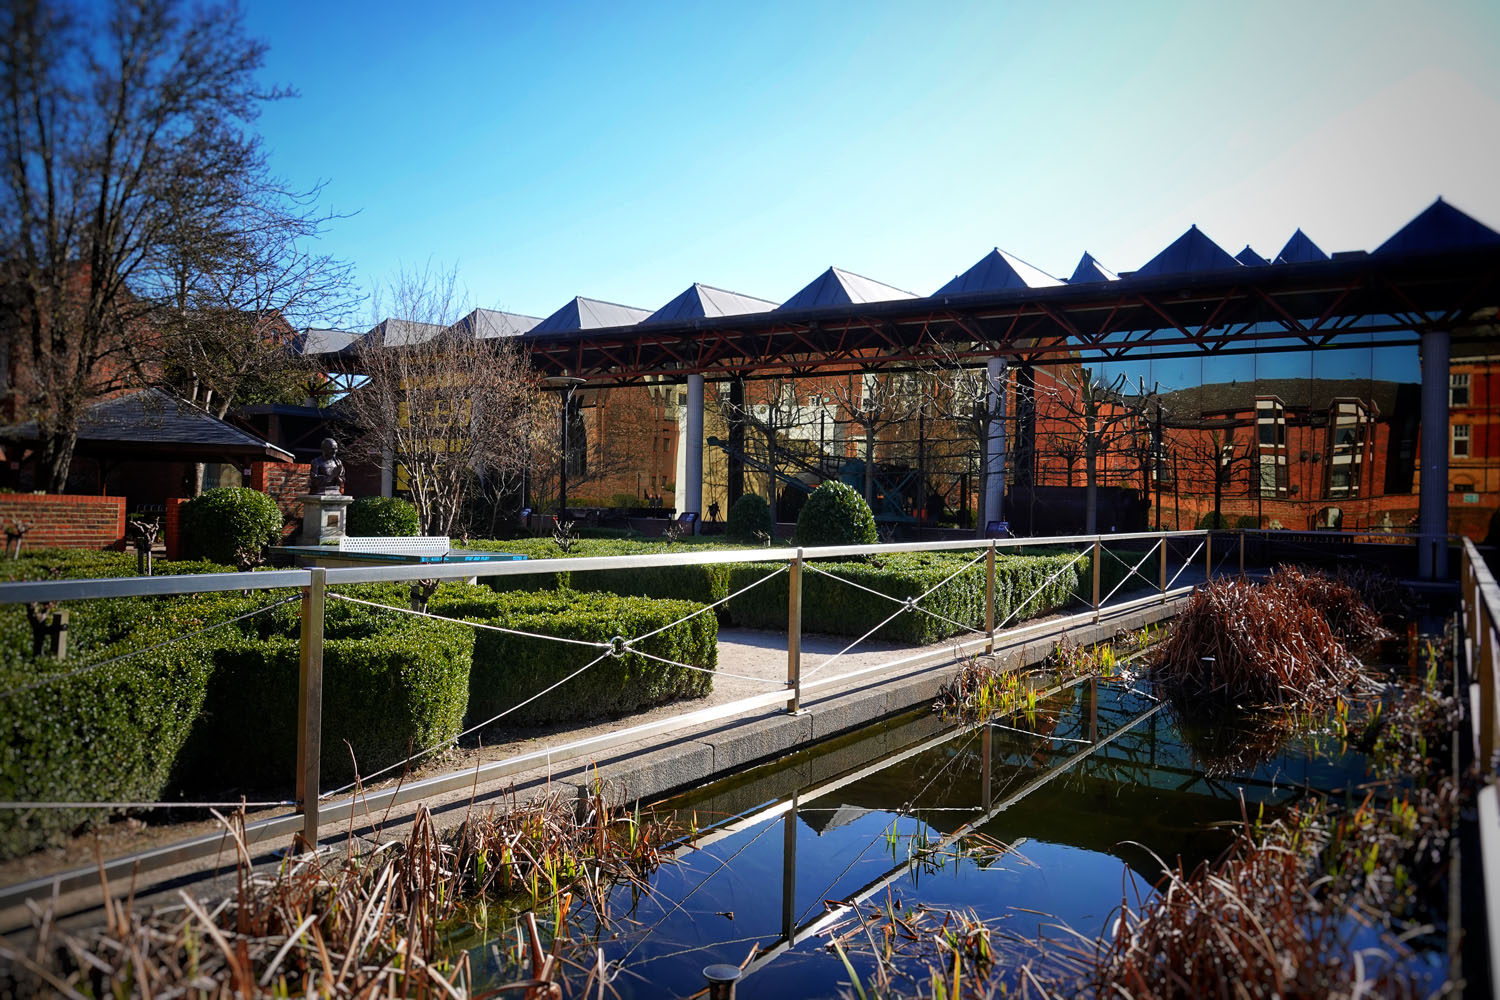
(314,808)
(1480,645)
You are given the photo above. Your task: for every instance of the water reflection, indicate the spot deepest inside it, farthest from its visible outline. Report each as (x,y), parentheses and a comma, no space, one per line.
(1054,819)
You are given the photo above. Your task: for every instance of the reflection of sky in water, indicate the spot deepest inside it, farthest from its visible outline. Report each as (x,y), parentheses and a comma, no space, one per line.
(1073,861)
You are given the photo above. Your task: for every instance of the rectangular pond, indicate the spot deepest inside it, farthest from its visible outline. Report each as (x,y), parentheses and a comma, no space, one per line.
(1052,818)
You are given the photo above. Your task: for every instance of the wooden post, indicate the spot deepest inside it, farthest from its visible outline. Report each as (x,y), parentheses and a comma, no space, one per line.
(1094,709)
(989,599)
(1208,555)
(794,635)
(789,870)
(1242,552)
(310,707)
(57,634)
(1163,544)
(1098,551)
(986,752)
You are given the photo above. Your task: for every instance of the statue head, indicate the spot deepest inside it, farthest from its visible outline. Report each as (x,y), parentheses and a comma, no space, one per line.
(330,448)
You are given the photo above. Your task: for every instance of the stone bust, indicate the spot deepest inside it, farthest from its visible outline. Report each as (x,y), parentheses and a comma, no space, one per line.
(327,474)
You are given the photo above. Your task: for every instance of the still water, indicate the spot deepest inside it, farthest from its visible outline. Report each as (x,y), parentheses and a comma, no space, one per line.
(1055,824)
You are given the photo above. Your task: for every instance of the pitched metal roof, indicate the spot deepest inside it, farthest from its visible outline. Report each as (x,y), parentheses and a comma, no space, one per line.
(319,340)
(589,314)
(1192,251)
(1300,250)
(996,271)
(486,324)
(1250,258)
(1089,269)
(836,286)
(393,332)
(1439,227)
(701,301)
(154,423)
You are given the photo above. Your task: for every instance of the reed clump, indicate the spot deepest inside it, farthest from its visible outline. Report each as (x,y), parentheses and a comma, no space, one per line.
(354,924)
(1283,643)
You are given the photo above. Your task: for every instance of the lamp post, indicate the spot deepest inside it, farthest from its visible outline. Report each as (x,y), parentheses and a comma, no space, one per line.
(566,383)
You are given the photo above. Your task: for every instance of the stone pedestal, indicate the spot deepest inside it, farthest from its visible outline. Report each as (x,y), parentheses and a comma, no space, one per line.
(323,517)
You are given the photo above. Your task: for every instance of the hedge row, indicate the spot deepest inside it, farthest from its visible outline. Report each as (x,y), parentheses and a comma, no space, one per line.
(832,607)
(218,711)
(508,669)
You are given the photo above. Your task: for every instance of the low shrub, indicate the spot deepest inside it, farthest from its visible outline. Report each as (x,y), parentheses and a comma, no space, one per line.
(836,514)
(749,517)
(509,669)
(392,684)
(833,607)
(1212,521)
(111,734)
(704,584)
(81,564)
(383,517)
(230,524)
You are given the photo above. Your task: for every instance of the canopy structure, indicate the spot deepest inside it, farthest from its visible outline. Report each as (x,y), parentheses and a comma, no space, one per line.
(837,287)
(997,271)
(1192,298)
(701,301)
(156,425)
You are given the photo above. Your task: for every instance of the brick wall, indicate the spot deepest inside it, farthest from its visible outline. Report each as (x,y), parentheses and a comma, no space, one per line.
(67,521)
(283,482)
(171,527)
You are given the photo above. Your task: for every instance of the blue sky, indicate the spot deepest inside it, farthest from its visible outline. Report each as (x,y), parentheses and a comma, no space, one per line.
(623,151)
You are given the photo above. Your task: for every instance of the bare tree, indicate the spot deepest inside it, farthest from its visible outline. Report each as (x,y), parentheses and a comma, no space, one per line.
(233,286)
(449,408)
(965,399)
(112,126)
(875,402)
(1103,414)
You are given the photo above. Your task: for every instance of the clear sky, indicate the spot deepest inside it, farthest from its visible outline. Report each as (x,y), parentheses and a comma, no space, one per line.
(623,151)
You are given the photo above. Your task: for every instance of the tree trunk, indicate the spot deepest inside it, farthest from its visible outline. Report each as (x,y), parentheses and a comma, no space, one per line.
(870,465)
(736,477)
(1091,479)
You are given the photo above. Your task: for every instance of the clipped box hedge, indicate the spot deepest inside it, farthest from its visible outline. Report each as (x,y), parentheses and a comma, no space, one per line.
(112,734)
(704,584)
(832,607)
(509,669)
(392,684)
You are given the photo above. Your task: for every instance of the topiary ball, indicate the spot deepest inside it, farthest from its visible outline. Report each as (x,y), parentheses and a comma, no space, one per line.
(383,517)
(749,514)
(836,515)
(230,524)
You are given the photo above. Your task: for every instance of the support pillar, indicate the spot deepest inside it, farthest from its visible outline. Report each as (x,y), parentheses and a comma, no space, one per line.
(690,490)
(1432,503)
(387,472)
(994,459)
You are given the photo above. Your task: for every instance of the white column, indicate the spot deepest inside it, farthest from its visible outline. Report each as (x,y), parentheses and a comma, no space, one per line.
(1432,503)
(690,490)
(994,459)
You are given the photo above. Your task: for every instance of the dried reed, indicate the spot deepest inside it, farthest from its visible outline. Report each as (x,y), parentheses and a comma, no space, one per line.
(353,924)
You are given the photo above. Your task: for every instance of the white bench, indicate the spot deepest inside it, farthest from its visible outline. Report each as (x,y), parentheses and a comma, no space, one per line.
(417,545)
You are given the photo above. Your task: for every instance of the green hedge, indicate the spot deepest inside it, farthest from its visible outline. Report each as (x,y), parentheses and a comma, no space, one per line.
(749,516)
(383,517)
(401,685)
(836,514)
(509,668)
(111,734)
(832,607)
(229,522)
(704,584)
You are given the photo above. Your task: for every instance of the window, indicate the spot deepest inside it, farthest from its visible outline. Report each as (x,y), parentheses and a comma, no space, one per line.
(1461,487)
(1349,425)
(1460,440)
(1270,423)
(1458,389)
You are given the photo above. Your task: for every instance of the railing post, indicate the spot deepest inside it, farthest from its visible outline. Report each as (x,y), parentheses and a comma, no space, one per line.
(1098,551)
(989,598)
(310,707)
(1242,552)
(1163,544)
(1208,555)
(794,634)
